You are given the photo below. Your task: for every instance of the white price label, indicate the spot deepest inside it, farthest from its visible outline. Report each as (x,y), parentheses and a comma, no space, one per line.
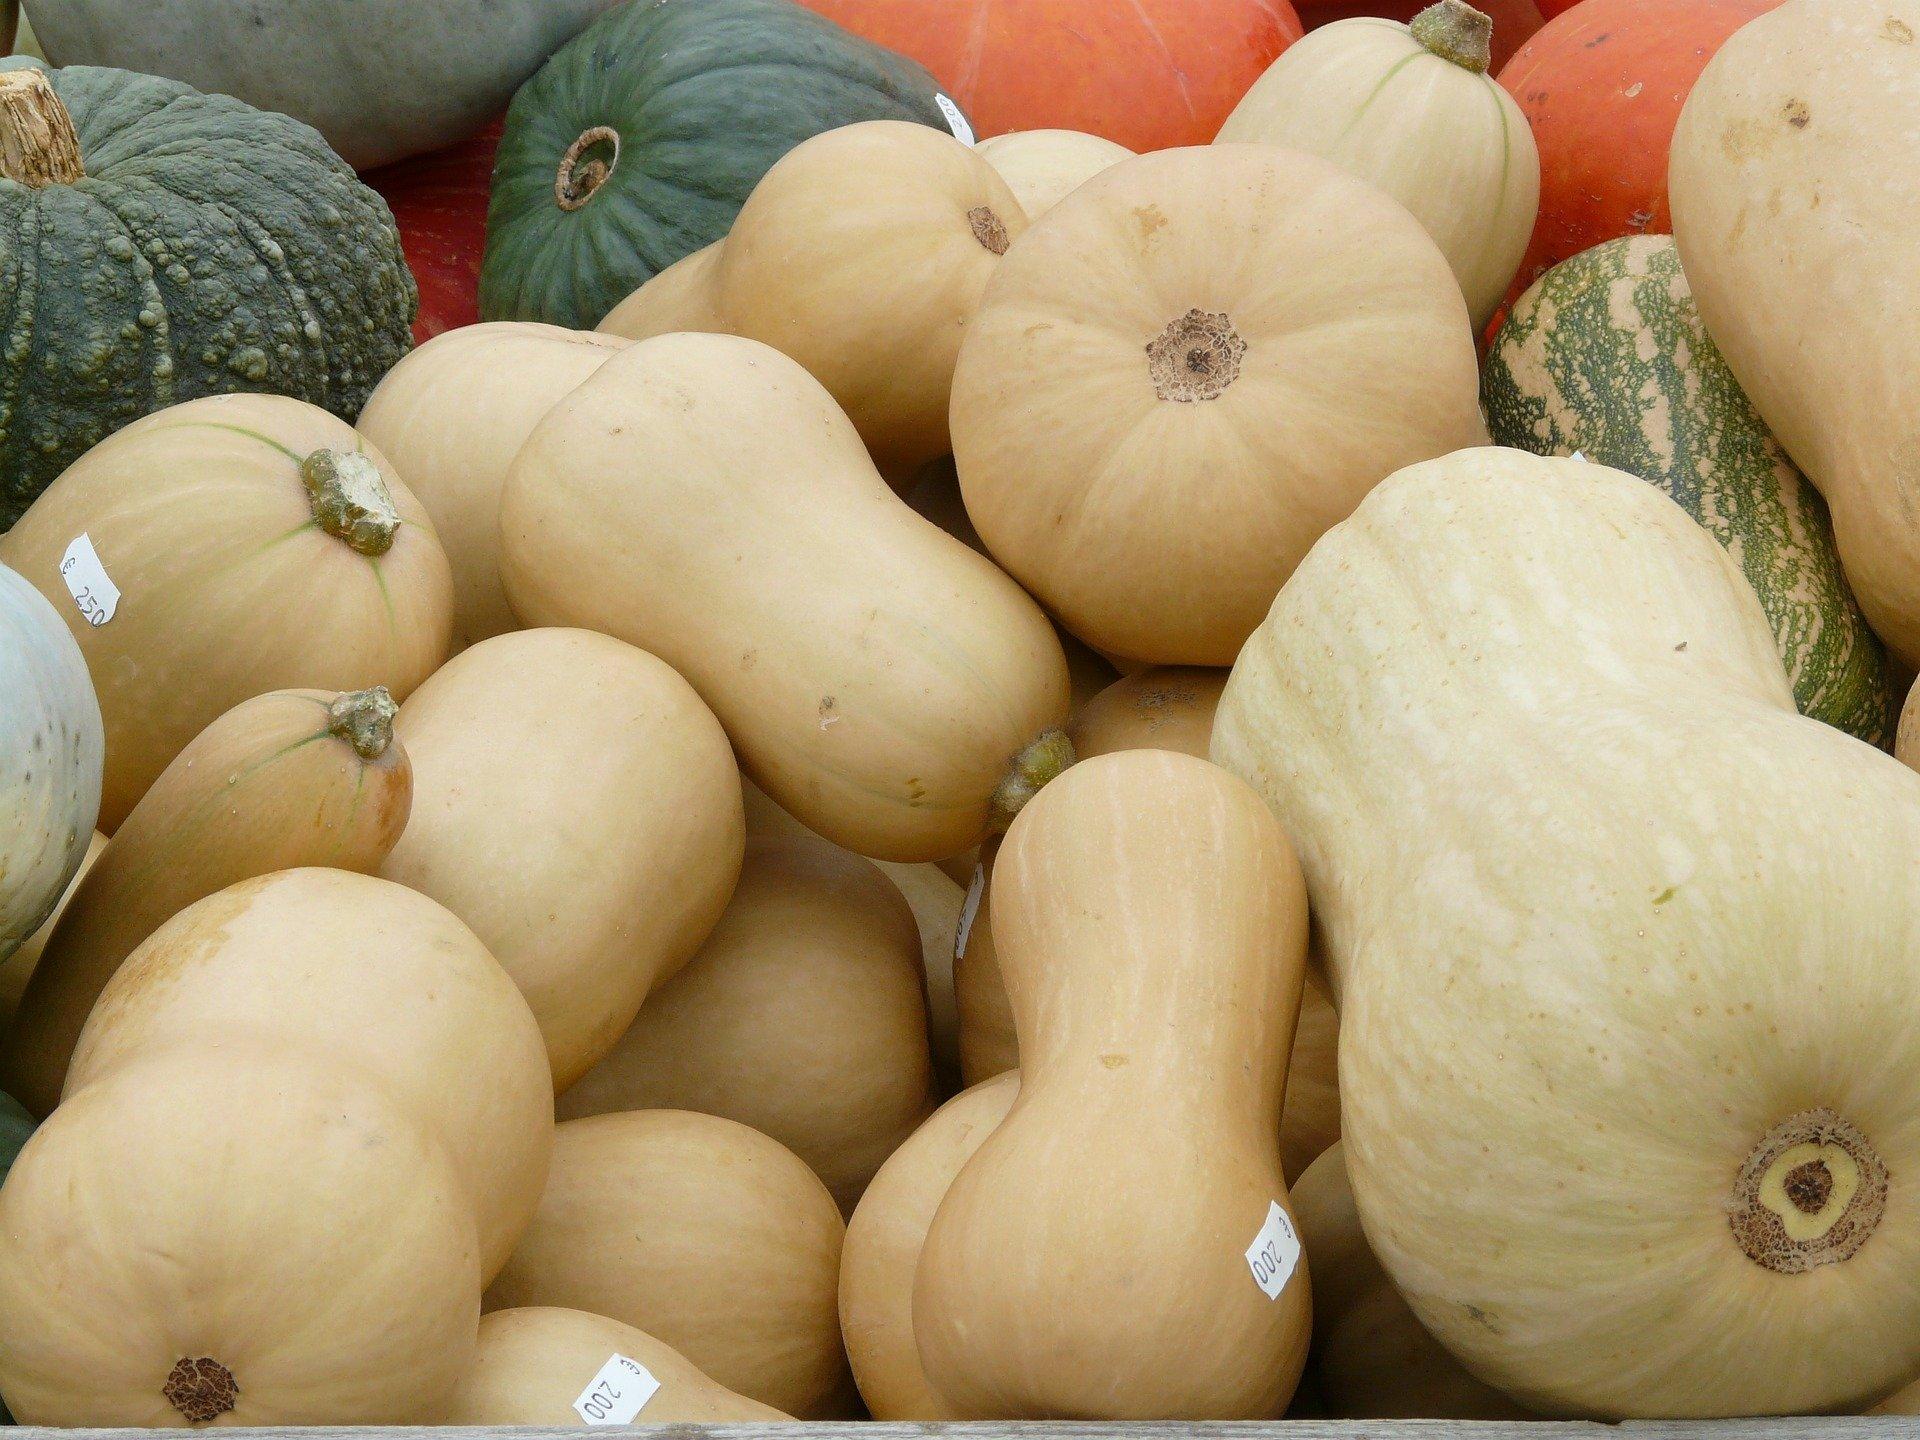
(1275,1252)
(618,1393)
(968,910)
(96,595)
(1580,455)
(956,122)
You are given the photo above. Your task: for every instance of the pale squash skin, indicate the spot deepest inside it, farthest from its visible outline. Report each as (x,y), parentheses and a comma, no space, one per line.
(1157,709)
(356,972)
(229,586)
(1793,201)
(702,497)
(680,297)
(884,1240)
(1372,1359)
(290,778)
(720,1238)
(1151,923)
(1151,471)
(804,1016)
(1043,167)
(451,416)
(1609,921)
(530,1366)
(1413,111)
(578,806)
(17,969)
(256,1206)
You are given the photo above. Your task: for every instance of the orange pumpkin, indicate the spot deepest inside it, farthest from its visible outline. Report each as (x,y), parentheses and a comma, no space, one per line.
(1149,74)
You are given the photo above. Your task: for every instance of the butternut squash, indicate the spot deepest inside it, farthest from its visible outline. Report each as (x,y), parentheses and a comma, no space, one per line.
(1120,1247)
(17,969)
(1043,167)
(578,806)
(1182,376)
(451,416)
(290,778)
(549,1367)
(681,297)
(1793,198)
(884,1240)
(720,1238)
(804,1016)
(251,543)
(1620,1098)
(703,498)
(1159,709)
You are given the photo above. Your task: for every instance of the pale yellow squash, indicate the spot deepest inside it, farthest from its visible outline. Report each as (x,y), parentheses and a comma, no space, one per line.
(451,417)
(1043,167)
(17,969)
(680,297)
(1158,709)
(703,498)
(256,543)
(1185,373)
(578,806)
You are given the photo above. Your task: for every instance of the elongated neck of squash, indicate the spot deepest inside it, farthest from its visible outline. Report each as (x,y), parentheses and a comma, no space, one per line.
(38,145)
(364,719)
(1032,768)
(351,500)
(1455,31)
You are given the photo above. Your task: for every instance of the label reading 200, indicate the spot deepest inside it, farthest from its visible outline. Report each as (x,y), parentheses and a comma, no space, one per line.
(618,1393)
(1274,1253)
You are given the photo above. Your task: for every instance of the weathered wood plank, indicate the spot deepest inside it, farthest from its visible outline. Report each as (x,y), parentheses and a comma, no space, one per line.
(1811,1428)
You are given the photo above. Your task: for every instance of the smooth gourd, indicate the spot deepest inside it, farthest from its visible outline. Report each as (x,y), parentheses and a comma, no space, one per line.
(720,1240)
(703,498)
(1412,109)
(1156,709)
(1185,373)
(451,417)
(804,1015)
(238,544)
(1624,965)
(578,806)
(680,297)
(290,778)
(1043,167)
(51,754)
(1793,204)
(1120,1248)
(17,969)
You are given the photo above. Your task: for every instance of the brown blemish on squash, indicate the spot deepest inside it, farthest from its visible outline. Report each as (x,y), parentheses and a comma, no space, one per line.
(1898,31)
(1809,1194)
(202,1390)
(1797,114)
(1809,1186)
(988,229)
(1150,218)
(1196,358)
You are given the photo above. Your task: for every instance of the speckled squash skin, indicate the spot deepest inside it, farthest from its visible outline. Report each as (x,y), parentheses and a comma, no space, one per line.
(1606,355)
(210,248)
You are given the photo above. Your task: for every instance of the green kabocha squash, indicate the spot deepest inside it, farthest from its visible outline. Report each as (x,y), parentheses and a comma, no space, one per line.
(639,141)
(1606,357)
(158,245)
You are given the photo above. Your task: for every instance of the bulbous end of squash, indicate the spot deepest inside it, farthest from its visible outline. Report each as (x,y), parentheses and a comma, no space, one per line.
(1809,1194)
(364,719)
(351,500)
(1455,31)
(1032,768)
(38,144)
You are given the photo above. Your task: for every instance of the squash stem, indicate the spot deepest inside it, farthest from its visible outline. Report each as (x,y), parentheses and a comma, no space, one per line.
(1032,768)
(1455,31)
(351,500)
(38,144)
(364,719)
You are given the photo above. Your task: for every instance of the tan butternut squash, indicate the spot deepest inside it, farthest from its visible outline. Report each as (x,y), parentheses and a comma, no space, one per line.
(1120,1247)
(1182,376)
(804,1016)
(578,806)
(17,969)
(451,416)
(231,546)
(721,1239)
(680,297)
(550,1367)
(1043,167)
(884,1240)
(1159,709)
(290,778)
(703,498)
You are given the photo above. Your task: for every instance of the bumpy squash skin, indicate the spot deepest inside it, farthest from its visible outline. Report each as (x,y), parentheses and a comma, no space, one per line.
(705,98)
(1606,356)
(211,248)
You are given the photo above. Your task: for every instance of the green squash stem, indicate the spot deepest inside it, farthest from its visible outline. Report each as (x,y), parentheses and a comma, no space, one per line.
(1455,31)
(364,719)
(1032,768)
(38,145)
(351,500)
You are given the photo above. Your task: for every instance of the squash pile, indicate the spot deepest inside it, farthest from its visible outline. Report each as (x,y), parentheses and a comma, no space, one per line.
(1129,718)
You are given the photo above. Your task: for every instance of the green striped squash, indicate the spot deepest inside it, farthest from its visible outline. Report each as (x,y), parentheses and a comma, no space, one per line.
(1606,356)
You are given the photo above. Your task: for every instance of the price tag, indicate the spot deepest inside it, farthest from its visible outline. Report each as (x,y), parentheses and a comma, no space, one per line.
(1581,455)
(1275,1252)
(96,595)
(956,122)
(618,1393)
(968,910)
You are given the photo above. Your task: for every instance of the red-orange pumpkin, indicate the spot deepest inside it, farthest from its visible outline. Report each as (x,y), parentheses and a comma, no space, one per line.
(1149,74)
(1514,21)
(439,201)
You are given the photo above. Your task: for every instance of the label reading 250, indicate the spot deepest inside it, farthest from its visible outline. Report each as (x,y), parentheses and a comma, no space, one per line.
(618,1393)
(96,595)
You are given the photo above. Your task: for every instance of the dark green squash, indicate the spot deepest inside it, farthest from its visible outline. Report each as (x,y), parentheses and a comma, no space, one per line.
(639,141)
(192,246)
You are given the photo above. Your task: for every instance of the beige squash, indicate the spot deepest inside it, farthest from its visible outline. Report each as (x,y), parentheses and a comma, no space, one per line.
(549,1367)
(256,543)
(884,1240)
(365,976)
(703,498)
(1372,1359)
(680,297)
(1120,1247)
(1906,745)
(804,1016)
(451,416)
(1161,709)
(722,1240)
(248,1235)
(1412,110)
(290,778)
(1182,376)
(578,806)
(1310,1121)
(17,969)
(1794,192)
(1043,167)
